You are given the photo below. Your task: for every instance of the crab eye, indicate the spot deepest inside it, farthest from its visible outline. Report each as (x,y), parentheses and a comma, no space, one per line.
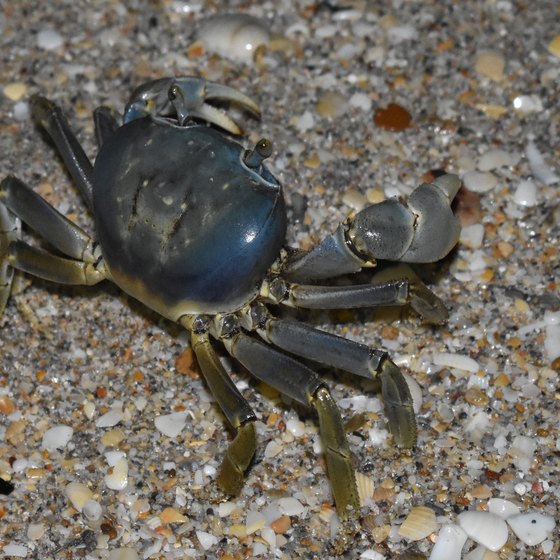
(173,92)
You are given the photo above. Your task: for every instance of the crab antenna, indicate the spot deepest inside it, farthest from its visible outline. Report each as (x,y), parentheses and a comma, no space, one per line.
(254,158)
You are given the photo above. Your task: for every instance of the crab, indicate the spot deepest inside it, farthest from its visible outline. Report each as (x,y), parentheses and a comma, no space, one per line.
(192,224)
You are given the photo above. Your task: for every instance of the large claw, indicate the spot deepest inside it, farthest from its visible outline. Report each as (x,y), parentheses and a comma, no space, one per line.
(422,231)
(186,98)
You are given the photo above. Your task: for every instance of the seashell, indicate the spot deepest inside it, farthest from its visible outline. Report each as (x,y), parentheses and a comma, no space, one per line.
(503,508)
(531,528)
(420,522)
(118,478)
(78,494)
(451,539)
(365,487)
(485,528)
(481,553)
(234,36)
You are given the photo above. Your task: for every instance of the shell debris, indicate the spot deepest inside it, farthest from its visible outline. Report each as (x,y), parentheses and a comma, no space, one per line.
(420,522)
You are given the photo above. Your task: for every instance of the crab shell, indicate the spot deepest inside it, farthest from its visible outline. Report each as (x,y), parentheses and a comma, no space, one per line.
(186,228)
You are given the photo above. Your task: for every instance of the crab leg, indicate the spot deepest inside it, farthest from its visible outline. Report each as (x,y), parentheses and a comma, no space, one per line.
(53,226)
(307,342)
(10,231)
(404,291)
(236,409)
(50,117)
(296,380)
(40,263)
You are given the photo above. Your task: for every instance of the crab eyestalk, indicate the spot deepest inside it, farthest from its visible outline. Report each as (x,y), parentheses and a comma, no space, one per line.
(262,150)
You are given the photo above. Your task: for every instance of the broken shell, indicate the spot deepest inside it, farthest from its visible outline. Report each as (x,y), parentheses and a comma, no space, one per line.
(449,545)
(365,487)
(420,523)
(78,494)
(235,36)
(531,528)
(484,528)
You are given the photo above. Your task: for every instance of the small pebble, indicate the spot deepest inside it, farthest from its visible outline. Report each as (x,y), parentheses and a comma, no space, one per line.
(526,193)
(449,544)
(490,64)
(484,528)
(234,36)
(528,104)
(57,437)
(35,531)
(123,554)
(472,236)
(15,550)
(49,39)
(393,117)
(15,91)
(171,515)
(552,334)
(479,181)
(272,449)
(171,425)
(291,506)
(554,46)
(295,427)
(92,510)
(332,104)
(531,528)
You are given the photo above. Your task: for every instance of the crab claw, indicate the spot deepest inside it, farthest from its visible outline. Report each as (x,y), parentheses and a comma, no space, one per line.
(186,98)
(189,97)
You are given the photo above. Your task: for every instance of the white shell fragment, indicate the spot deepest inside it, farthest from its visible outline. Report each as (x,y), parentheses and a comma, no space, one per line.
(503,508)
(234,36)
(539,167)
(493,159)
(457,361)
(206,540)
(171,425)
(479,181)
(57,437)
(449,544)
(49,39)
(420,522)
(92,510)
(525,193)
(78,494)
(531,528)
(365,487)
(118,477)
(485,528)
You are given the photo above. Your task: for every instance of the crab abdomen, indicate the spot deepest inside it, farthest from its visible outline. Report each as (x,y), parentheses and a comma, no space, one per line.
(184,226)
